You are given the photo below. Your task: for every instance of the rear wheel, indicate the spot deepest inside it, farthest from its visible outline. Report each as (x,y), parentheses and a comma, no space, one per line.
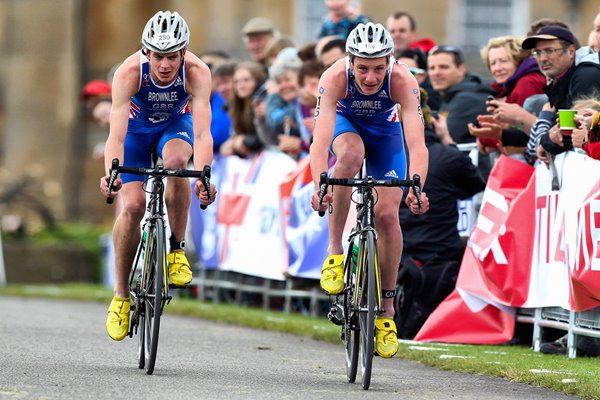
(154,289)
(368,301)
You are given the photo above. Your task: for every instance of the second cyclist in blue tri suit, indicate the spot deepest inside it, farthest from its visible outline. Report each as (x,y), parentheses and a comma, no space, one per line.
(152,93)
(357,118)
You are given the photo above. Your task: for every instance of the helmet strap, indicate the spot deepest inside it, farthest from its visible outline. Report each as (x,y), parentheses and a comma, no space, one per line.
(182,58)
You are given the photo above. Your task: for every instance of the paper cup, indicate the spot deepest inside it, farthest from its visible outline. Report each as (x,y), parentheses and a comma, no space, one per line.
(566,119)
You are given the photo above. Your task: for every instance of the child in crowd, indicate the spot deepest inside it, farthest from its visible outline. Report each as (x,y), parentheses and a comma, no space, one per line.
(587,136)
(342,18)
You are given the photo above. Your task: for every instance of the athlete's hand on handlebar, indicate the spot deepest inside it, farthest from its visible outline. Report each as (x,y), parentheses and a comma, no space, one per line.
(117,185)
(202,194)
(327,199)
(413,204)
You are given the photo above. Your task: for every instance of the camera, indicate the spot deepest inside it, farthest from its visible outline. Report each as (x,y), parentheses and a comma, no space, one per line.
(260,93)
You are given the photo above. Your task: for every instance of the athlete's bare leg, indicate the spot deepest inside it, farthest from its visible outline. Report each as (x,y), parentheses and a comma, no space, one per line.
(126,233)
(176,155)
(350,153)
(389,240)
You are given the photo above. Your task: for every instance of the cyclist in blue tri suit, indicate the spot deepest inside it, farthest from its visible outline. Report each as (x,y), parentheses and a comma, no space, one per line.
(357,118)
(152,93)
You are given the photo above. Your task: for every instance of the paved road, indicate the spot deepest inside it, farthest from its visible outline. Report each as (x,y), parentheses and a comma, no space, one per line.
(53,349)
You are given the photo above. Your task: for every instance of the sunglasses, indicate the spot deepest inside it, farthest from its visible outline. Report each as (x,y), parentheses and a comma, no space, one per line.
(447,48)
(416,71)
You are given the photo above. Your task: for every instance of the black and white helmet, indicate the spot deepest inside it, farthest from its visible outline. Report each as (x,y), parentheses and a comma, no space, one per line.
(370,41)
(166,32)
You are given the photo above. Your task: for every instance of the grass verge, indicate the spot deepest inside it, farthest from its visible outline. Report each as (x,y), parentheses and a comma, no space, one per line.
(578,377)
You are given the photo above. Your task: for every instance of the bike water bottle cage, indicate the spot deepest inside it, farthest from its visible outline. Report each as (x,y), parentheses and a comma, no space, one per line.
(388,294)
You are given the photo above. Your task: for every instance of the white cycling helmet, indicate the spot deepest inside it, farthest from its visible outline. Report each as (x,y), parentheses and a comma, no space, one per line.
(369,41)
(166,32)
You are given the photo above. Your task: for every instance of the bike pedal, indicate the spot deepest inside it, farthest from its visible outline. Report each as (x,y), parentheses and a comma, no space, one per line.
(335,315)
(173,286)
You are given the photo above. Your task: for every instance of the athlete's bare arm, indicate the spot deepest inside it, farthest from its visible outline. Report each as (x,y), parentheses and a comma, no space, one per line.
(405,90)
(332,87)
(125,84)
(198,84)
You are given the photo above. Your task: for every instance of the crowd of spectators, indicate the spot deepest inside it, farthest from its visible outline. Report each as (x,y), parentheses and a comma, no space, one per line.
(254,109)
(267,100)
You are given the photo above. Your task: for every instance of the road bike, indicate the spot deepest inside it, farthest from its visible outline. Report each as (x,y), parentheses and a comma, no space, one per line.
(148,286)
(356,307)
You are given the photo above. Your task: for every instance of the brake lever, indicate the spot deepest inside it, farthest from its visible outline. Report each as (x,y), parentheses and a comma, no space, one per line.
(417,191)
(206,182)
(322,191)
(114,171)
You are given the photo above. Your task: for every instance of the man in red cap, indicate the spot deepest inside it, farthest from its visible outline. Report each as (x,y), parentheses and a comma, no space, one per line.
(95,88)
(97,96)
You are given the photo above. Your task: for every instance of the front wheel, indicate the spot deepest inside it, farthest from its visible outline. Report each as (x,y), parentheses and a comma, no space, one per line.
(138,322)
(351,333)
(368,300)
(154,289)
(137,306)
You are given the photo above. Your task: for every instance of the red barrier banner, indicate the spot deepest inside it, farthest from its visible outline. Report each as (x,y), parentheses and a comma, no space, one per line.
(532,247)
(585,266)
(490,274)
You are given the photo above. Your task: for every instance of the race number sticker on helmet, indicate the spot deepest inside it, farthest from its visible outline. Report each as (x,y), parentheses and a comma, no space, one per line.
(163,37)
(367,47)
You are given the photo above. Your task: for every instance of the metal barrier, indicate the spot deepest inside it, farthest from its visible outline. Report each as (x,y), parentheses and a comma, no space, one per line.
(292,294)
(584,323)
(2,271)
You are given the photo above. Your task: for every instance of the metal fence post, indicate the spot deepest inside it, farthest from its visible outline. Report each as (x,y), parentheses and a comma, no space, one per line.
(2,272)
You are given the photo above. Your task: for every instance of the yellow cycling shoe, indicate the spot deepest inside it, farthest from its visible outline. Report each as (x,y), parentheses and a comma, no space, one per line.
(180,273)
(332,274)
(386,341)
(117,323)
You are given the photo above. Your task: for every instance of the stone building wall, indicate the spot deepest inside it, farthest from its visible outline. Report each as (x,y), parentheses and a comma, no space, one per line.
(52,47)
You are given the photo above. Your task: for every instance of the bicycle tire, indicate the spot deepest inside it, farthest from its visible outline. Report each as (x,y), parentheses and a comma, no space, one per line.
(351,333)
(141,344)
(137,315)
(368,303)
(154,289)
(139,321)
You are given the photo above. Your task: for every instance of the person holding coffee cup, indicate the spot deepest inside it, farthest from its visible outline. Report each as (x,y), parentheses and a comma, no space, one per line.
(576,128)
(566,120)
(586,134)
